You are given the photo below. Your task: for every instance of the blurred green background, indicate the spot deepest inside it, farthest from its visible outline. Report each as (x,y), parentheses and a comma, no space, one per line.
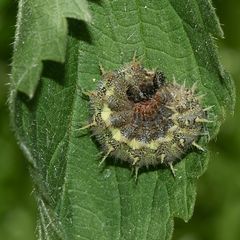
(217,211)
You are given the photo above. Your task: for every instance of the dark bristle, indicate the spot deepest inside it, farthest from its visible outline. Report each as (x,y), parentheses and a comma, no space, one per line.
(158,80)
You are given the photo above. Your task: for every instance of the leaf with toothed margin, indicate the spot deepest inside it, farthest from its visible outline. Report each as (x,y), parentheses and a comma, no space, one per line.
(41,34)
(76,198)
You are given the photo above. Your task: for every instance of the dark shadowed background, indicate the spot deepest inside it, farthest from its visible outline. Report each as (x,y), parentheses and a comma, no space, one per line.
(217,211)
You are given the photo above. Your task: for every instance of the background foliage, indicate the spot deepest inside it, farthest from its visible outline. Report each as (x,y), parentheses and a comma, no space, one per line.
(218,209)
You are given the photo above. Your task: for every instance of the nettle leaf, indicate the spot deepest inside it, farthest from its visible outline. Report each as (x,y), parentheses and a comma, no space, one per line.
(76,198)
(41,34)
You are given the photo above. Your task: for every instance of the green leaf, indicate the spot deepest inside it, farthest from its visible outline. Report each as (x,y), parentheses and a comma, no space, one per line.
(41,34)
(77,199)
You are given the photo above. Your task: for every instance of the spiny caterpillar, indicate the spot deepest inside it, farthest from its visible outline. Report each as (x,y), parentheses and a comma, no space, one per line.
(140,118)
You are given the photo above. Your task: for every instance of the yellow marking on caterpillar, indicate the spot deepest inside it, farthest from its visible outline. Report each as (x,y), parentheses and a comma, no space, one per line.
(110,92)
(105,114)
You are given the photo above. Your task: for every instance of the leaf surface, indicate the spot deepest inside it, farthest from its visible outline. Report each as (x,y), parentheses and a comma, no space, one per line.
(77,199)
(41,34)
